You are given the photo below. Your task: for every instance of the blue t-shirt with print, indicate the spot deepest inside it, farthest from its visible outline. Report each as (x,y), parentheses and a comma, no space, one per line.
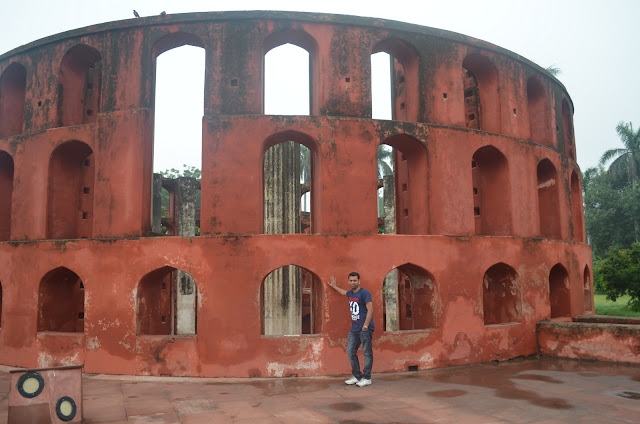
(358,306)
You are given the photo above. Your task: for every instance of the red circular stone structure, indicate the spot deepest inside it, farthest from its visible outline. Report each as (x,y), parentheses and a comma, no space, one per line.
(488,206)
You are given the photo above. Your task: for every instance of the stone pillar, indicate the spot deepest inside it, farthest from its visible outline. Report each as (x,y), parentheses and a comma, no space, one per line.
(389,193)
(391,280)
(156,205)
(186,194)
(282,291)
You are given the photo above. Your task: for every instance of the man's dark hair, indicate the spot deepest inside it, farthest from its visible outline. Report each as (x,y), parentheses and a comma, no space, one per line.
(354,274)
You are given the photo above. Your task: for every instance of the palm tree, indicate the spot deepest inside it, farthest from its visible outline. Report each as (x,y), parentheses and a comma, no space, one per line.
(384,157)
(305,172)
(626,161)
(305,165)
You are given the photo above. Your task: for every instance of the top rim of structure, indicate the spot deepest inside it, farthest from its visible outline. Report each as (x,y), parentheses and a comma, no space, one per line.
(329,18)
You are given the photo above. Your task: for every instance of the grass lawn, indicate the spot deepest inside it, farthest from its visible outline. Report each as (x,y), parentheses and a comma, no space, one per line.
(617,308)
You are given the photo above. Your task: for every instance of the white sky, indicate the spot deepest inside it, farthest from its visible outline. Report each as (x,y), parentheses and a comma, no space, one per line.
(594,43)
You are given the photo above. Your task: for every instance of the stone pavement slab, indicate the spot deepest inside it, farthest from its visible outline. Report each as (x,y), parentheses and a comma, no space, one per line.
(521,391)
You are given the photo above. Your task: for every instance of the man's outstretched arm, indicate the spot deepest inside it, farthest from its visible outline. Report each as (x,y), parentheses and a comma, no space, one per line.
(332,284)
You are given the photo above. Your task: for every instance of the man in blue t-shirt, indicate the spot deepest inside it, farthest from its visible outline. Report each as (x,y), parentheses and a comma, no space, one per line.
(361,308)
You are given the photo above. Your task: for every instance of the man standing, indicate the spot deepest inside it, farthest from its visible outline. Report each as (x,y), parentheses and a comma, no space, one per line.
(361,329)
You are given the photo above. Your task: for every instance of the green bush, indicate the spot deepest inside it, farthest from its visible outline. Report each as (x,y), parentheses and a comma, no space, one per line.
(620,275)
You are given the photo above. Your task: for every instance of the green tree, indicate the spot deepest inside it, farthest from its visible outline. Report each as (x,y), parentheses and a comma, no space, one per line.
(626,161)
(553,70)
(620,272)
(187,171)
(610,208)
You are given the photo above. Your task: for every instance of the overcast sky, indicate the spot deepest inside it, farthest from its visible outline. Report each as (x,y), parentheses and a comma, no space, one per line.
(594,43)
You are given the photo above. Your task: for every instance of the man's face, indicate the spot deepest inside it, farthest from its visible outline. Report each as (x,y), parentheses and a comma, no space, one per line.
(354,282)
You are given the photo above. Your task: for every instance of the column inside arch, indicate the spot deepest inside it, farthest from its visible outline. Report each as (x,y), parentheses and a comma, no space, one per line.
(282,195)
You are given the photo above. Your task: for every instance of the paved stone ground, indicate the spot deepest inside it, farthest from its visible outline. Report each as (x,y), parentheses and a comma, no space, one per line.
(520,391)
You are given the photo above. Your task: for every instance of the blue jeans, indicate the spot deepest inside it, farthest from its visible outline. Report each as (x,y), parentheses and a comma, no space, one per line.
(353,343)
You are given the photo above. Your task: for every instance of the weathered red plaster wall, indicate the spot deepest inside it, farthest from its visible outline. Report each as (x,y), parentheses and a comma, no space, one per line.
(231,258)
(594,341)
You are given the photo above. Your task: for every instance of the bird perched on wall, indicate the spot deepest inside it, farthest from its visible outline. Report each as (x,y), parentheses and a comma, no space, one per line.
(163,13)
(135,13)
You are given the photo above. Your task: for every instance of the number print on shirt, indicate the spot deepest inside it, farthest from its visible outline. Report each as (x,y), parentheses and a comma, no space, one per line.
(355,310)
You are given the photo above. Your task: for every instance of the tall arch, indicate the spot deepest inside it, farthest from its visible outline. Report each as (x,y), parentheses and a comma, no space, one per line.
(283,166)
(6,194)
(409,183)
(291,302)
(79,86)
(500,294)
(290,40)
(166,303)
(70,191)
(548,200)
(588,290)
(177,102)
(481,94)
(567,124)
(491,192)
(559,292)
(576,208)
(61,302)
(409,299)
(13,82)
(405,84)
(539,112)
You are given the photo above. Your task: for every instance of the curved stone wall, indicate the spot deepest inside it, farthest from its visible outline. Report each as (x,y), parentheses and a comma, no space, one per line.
(490,230)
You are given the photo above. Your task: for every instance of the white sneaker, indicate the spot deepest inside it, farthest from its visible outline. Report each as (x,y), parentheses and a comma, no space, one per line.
(363,382)
(352,381)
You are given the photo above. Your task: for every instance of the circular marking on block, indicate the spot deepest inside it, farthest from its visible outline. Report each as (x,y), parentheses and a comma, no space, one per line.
(66,408)
(30,385)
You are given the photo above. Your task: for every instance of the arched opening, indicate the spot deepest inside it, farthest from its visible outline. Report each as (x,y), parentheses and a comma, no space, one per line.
(61,302)
(178,108)
(287,91)
(167,303)
(559,292)
(539,115)
(80,85)
(567,123)
(291,302)
(382,104)
(70,191)
(290,86)
(394,66)
(500,295)
(6,194)
(576,208)
(588,291)
(409,299)
(405,187)
(548,203)
(12,93)
(491,192)
(286,81)
(289,164)
(481,94)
